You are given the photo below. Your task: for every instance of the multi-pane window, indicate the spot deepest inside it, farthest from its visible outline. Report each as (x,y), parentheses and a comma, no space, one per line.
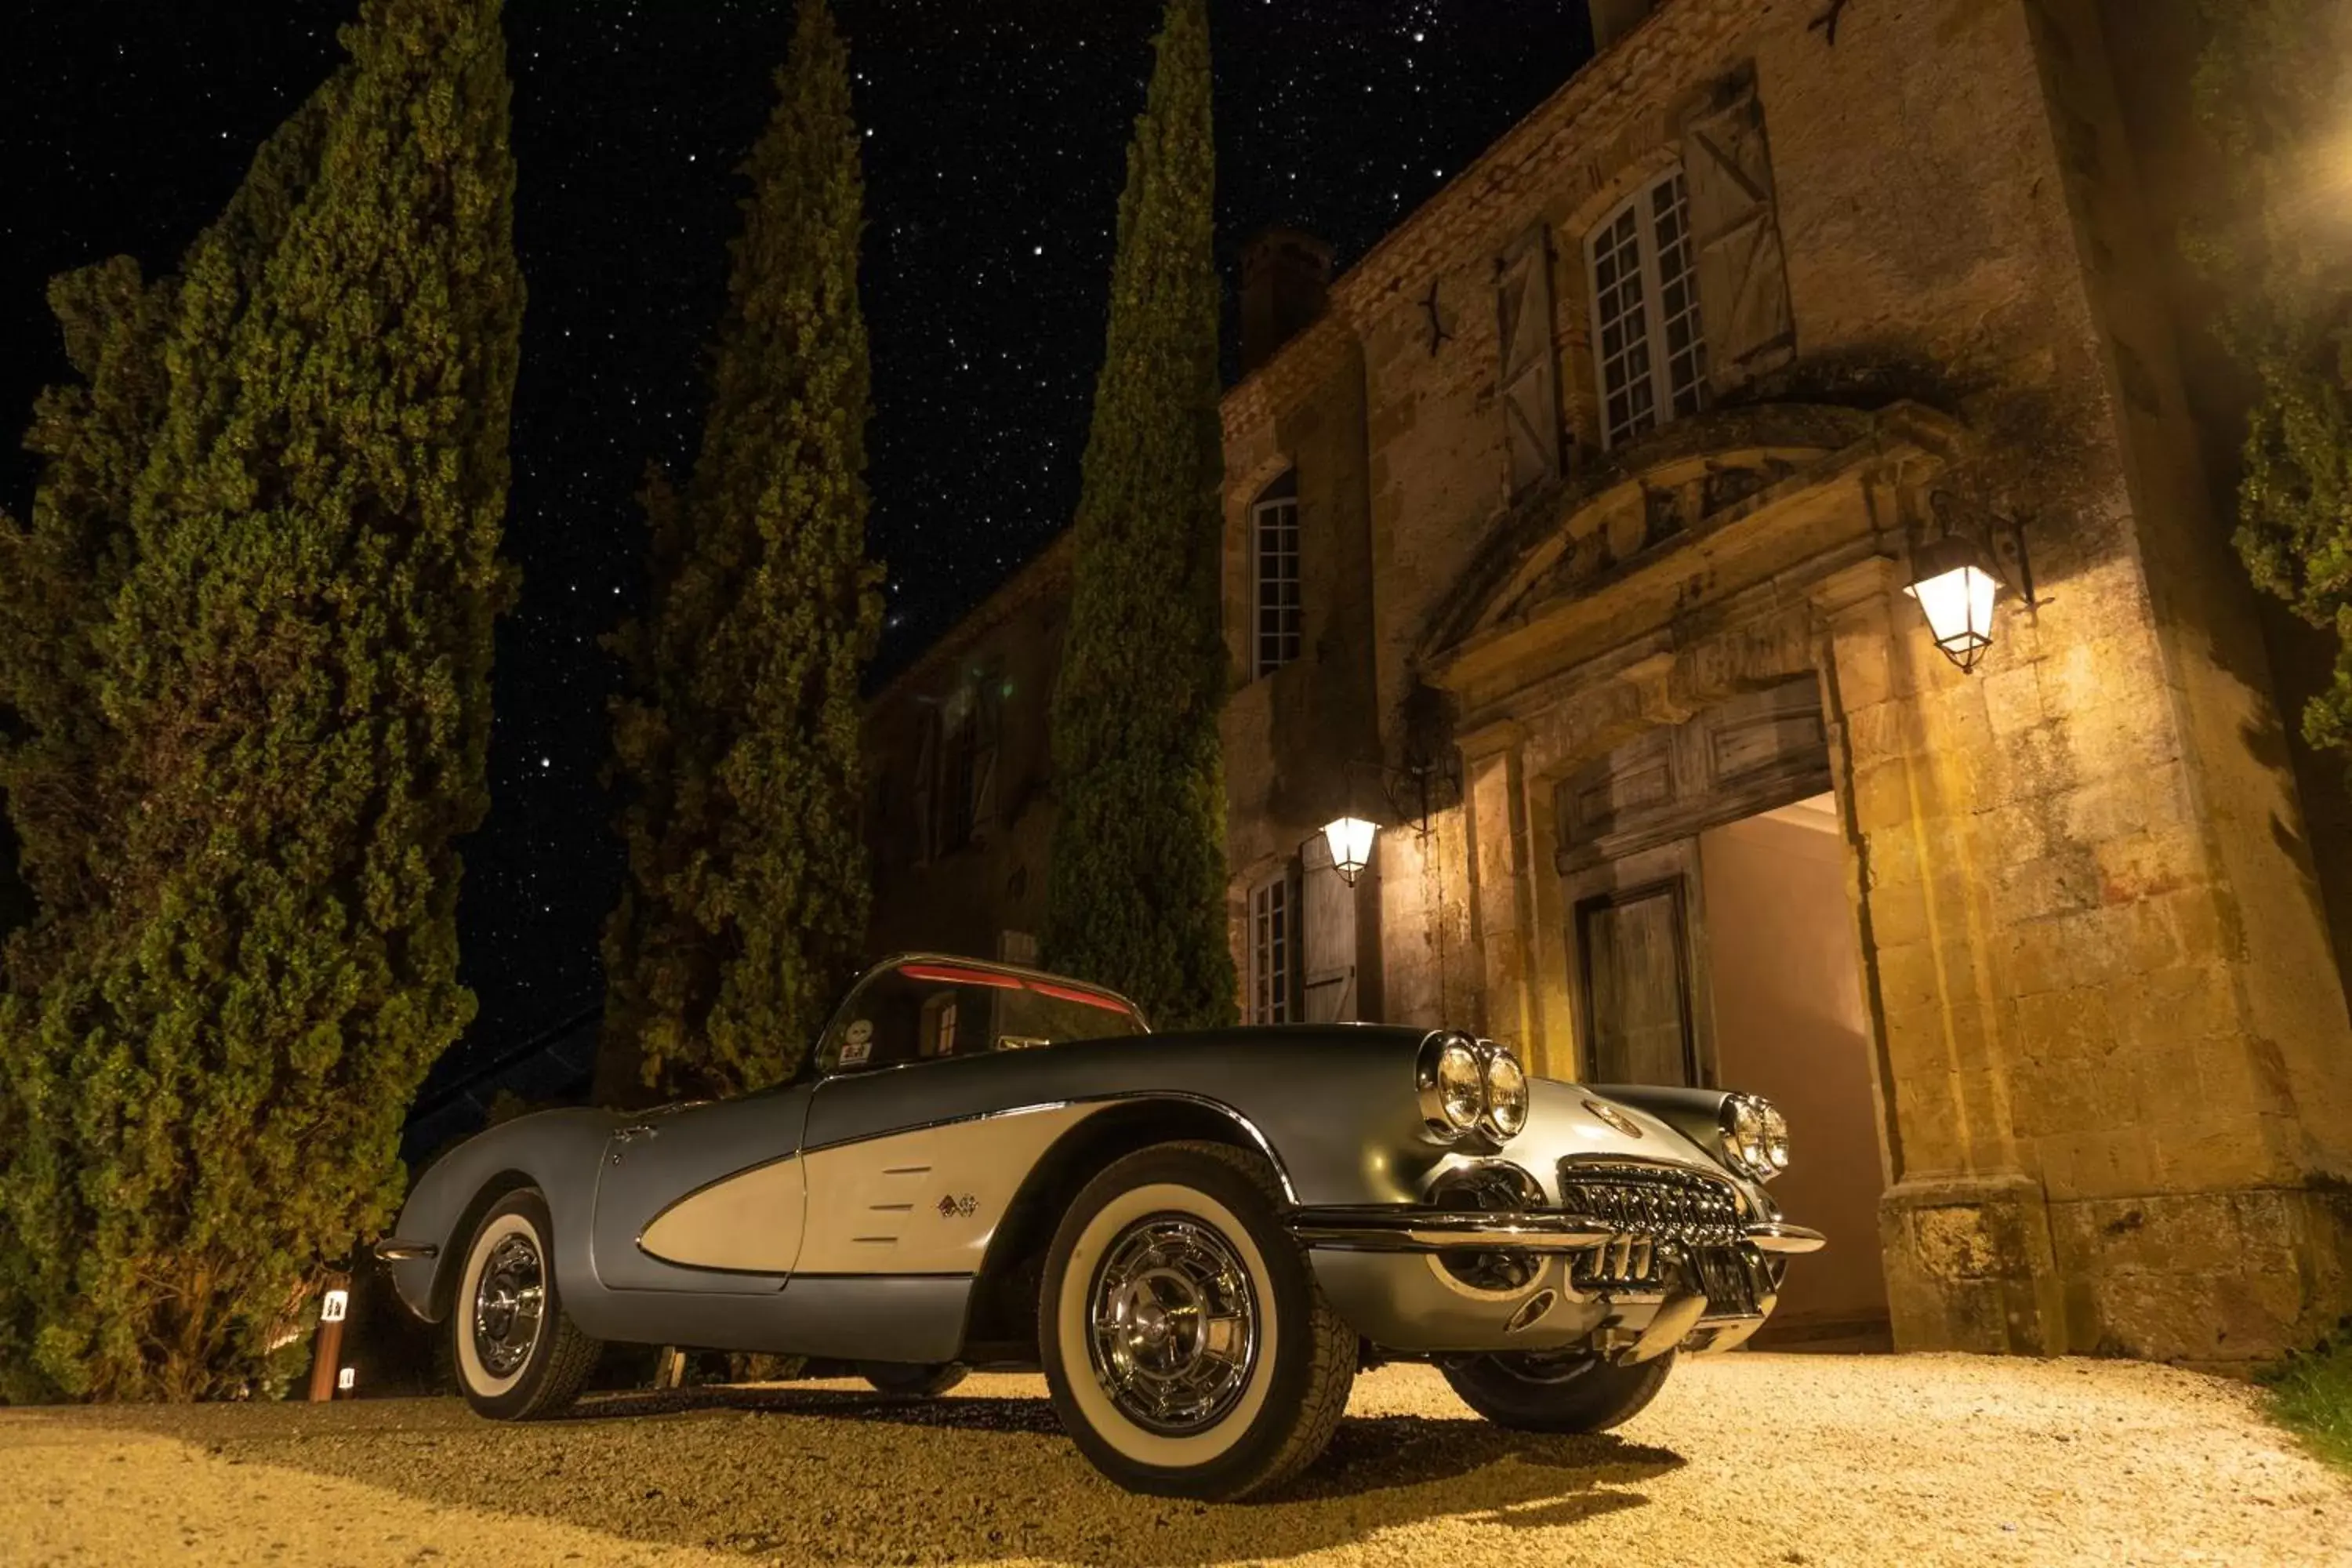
(1273,531)
(1648,343)
(1271,929)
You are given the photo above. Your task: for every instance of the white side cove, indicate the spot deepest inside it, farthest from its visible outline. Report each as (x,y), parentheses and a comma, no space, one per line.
(921,1202)
(752,1221)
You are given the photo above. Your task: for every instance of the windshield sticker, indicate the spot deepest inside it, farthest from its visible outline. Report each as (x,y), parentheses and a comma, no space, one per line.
(858,1044)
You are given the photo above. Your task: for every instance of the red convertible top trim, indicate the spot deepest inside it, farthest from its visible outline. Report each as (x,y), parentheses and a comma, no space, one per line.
(952,974)
(1072,993)
(948,977)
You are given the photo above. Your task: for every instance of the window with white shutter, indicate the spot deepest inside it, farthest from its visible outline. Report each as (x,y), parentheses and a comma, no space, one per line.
(1273,546)
(1649,345)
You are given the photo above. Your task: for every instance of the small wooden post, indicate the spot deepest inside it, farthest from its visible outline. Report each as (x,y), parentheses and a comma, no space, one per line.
(327,1345)
(671,1371)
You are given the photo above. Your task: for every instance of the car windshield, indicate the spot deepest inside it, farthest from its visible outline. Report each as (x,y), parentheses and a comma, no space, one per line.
(922,1010)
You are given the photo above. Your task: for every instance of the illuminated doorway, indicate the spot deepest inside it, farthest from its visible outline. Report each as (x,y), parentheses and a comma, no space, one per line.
(1712,944)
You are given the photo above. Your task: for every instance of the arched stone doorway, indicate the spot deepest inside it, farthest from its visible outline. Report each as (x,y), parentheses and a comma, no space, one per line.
(1661,877)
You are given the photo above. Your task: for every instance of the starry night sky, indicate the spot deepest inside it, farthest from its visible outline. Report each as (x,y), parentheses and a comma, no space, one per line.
(995,152)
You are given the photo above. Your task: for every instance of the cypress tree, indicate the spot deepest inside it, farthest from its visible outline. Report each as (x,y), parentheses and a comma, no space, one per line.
(297,664)
(2270,89)
(143,353)
(745,907)
(1135,890)
(57,578)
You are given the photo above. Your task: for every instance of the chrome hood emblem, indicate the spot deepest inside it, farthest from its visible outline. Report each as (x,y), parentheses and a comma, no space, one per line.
(1613,1118)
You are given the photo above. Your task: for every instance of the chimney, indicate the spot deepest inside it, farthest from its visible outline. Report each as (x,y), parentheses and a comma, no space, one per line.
(1612,19)
(1286,283)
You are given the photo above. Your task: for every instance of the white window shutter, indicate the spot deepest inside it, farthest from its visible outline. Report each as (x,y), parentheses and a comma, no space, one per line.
(988,713)
(1528,380)
(1327,939)
(926,763)
(1743,279)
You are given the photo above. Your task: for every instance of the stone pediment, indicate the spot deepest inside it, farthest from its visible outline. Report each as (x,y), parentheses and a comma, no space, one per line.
(1666,493)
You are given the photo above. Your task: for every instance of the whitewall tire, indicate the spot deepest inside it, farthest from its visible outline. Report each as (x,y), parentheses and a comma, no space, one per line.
(516,1353)
(1186,1344)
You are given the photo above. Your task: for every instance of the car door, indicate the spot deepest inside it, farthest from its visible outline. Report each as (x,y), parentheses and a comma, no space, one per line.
(927,1117)
(704,1198)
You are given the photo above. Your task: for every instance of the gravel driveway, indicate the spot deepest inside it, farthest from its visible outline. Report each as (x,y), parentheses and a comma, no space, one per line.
(1750,1459)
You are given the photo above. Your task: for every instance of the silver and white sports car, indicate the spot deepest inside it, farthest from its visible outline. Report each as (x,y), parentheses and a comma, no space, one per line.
(1200,1238)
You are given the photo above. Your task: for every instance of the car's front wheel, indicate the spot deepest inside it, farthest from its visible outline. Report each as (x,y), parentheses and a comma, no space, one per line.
(1568,1391)
(1188,1348)
(516,1355)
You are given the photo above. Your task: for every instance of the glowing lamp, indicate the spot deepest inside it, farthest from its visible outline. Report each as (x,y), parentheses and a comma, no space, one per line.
(1350,841)
(1956,586)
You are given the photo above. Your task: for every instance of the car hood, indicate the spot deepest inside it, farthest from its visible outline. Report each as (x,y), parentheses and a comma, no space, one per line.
(1568,1120)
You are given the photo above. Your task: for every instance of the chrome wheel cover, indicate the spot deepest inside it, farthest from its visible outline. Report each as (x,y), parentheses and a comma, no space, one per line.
(510,1302)
(1173,1322)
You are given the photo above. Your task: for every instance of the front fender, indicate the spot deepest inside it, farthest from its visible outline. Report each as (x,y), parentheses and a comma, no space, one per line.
(556,1152)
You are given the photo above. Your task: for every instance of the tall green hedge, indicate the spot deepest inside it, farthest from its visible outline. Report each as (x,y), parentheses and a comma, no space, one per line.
(1135,890)
(744,911)
(296,671)
(2271,90)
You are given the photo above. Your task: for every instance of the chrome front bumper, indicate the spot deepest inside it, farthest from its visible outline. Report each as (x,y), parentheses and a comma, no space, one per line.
(1414,1227)
(1632,1288)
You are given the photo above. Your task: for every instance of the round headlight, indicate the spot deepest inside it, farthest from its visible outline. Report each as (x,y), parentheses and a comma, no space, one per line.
(1453,1084)
(1461,1087)
(1756,1136)
(1507,1093)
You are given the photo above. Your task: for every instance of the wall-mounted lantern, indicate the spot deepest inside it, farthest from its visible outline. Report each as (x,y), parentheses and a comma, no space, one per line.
(1351,842)
(1957,582)
(1956,586)
(1350,836)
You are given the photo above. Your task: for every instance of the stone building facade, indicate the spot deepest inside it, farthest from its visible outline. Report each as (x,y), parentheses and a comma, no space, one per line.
(1567,539)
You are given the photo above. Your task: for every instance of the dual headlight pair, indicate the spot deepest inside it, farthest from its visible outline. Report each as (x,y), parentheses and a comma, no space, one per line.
(1469,1086)
(1755,1135)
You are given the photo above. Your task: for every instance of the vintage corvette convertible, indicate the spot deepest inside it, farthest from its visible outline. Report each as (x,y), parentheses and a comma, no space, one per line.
(1200,1237)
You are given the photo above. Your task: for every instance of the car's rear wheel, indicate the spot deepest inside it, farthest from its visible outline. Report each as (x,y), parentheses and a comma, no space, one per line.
(1188,1348)
(912,1380)
(518,1356)
(1568,1391)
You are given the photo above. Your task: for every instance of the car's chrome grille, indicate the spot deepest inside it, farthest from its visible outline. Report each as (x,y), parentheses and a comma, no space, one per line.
(1671,1222)
(1653,1202)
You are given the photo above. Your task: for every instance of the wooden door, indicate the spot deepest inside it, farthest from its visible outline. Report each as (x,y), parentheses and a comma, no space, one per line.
(1637,940)
(1628,827)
